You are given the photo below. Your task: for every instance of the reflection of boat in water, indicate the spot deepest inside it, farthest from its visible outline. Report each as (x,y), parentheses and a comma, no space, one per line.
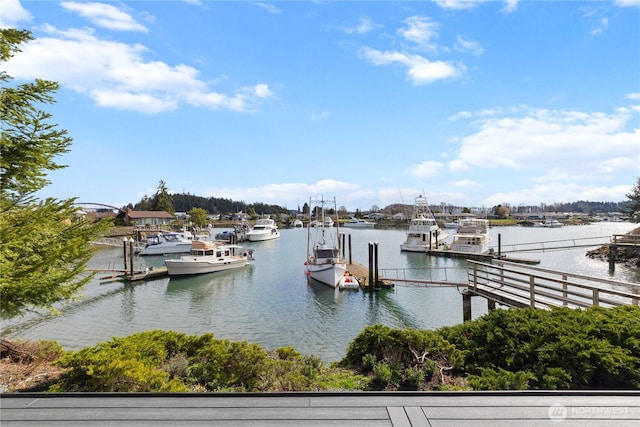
(323,258)
(209,257)
(423,233)
(472,235)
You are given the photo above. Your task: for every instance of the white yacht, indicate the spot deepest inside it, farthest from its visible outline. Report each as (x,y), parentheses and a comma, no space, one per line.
(358,223)
(424,233)
(264,229)
(167,243)
(472,236)
(209,257)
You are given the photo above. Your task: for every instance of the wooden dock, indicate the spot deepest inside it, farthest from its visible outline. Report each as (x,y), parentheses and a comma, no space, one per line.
(136,276)
(366,409)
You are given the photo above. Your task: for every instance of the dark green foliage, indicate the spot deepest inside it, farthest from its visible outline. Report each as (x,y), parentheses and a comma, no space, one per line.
(632,206)
(515,349)
(44,245)
(156,361)
(559,348)
(213,205)
(403,359)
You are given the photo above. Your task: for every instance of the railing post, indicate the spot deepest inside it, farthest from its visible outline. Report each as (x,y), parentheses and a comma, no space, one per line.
(596,297)
(475,277)
(466,306)
(564,290)
(532,291)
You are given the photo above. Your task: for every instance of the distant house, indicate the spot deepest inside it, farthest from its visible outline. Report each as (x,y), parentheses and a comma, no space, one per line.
(145,218)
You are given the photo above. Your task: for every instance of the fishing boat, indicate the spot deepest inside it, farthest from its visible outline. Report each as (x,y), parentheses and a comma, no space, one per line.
(209,257)
(423,233)
(472,236)
(323,262)
(264,229)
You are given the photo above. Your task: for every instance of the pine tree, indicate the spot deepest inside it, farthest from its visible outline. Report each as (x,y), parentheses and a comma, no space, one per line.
(632,207)
(44,244)
(162,200)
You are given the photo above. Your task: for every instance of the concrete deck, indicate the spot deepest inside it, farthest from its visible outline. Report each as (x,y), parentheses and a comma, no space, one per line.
(323,409)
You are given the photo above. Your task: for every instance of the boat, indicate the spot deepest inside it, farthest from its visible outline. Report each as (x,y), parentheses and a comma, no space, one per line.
(549,223)
(424,233)
(323,262)
(472,236)
(358,223)
(297,224)
(209,257)
(167,243)
(347,281)
(264,229)
(452,225)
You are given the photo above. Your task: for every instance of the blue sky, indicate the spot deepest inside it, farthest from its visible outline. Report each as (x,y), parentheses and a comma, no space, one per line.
(473,103)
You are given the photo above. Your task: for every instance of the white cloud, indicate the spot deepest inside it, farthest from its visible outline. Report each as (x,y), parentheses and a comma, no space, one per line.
(458,4)
(509,5)
(320,116)
(600,26)
(570,155)
(426,169)
(117,75)
(345,193)
(12,14)
(105,15)
(421,31)
(628,3)
(364,26)
(419,69)
(471,46)
(269,7)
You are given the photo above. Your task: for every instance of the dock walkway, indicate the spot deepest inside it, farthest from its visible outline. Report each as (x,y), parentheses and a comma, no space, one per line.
(373,409)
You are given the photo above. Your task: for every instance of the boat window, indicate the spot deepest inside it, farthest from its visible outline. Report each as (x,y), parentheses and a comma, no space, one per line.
(327,253)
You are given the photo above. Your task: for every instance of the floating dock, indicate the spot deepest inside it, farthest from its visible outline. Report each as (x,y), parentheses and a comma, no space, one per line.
(136,276)
(481,256)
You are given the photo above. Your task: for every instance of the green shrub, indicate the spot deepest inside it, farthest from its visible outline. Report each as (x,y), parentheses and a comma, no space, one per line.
(562,347)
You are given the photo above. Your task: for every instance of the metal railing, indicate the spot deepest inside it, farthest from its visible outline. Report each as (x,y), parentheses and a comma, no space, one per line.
(518,285)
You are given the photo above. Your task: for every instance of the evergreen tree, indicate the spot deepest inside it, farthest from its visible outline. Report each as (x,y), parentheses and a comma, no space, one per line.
(44,244)
(162,200)
(198,216)
(632,207)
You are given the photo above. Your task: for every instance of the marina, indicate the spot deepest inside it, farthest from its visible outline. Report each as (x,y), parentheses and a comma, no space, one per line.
(272,303)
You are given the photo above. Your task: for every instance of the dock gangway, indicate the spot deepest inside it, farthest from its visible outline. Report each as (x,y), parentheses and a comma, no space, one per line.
(517,285)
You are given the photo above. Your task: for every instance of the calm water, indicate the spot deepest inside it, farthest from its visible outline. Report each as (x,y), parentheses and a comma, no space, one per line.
(271,303)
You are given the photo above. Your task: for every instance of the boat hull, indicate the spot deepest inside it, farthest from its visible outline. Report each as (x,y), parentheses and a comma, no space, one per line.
(259,237)
(328,274)
(190,265)
(421,244)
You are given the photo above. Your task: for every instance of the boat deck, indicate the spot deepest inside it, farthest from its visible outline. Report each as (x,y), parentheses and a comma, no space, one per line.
(388,409)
